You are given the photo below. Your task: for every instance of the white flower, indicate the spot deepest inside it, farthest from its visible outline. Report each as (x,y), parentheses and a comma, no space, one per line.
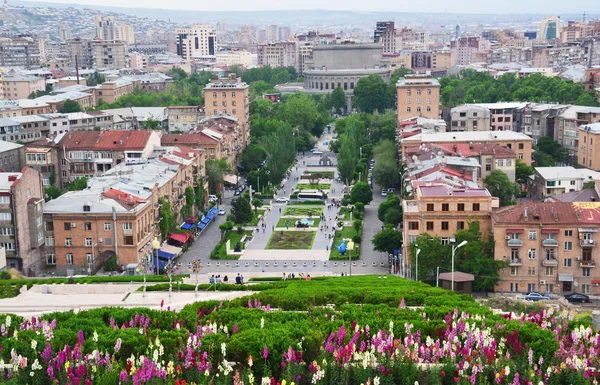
(36,365)
(206,372)
(33,344)
(8,320)
(141,331)
(391,326)
(155,356)
(376,380)
(225,330)
(224,349)
(507,370)
(262,323)
(95,336)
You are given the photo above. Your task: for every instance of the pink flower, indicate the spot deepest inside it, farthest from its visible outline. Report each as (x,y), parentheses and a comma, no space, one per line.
(123,376)
(265,352)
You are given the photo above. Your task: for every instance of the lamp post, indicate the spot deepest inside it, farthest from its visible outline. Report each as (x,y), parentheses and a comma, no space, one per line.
(454,248)
(195,267)
(170,269)
(156,247)
(417,264)
(145,267)
(350,247)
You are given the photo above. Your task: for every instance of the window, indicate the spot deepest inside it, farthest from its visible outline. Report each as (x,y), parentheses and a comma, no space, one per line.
(568,246)
(587,271)
(549,271)
(521,146)
(514,287)
(418,92)
(445,207)
(129,240)
(532,235)
(88,242)
(67,225)
(460,225)
(428,108)
(532,254)
(50,259)
(407,109)
(408,92)
(107,241)
(69,259)
(5,216)
(106,226)
(4,200)
(514,254)
(514,271)
(68,241)
(530,287)
(429,91)
(430,206)
(49,241)
(445,226)
(429,226)
(90,259)
(87,226)
(460,207)
(549,253)
(568,233)
(585,288)
(445,241)
(49,226)
(412,239)
(567,262)
(413,225)
(127,226)
(549,288)
(475,206)
(500,163)
(531,271)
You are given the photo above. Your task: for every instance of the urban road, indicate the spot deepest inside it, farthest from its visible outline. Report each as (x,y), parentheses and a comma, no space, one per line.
(370,262)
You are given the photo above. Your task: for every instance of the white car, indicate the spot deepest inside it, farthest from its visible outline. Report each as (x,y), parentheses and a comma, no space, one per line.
(318,152)
(222,212)
(212,198)
(282,200)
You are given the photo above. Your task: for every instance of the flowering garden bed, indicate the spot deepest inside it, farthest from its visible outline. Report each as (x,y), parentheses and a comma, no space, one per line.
(352,330)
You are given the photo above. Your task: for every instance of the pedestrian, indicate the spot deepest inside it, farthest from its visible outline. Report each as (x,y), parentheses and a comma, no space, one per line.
(242,279)
(327,247)
(272,227)
(212,280)
(280,210)
(225,279)
(238,281)
(218,279)
(308,277)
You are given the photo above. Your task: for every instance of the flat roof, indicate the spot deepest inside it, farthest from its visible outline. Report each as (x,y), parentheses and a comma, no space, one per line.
(434,191)
(567,173)
(473,136)
(594,127)
(7,146)
(5,184)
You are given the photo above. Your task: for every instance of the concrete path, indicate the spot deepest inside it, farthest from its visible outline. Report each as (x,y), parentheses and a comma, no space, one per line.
(284,255)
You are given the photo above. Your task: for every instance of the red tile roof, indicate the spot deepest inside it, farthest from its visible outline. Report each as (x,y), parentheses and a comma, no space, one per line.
(124,199)
(555,213)
(195,139)
(113,140)
(462,149)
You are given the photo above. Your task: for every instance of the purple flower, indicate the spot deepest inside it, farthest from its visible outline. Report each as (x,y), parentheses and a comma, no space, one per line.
(50,372)
(123,376)
(265,352)
(80,338)
(235,328)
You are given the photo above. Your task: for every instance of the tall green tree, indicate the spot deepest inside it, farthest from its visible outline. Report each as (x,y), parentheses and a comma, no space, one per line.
(168,222)
(301,111)
(252,156)
(70,106)
(347,159)
(387,241)
(361,192)
(501,187)
(371,94)
(522,172)
(241,210)
(279,146)
(215,170)
(78,184)
(338,99)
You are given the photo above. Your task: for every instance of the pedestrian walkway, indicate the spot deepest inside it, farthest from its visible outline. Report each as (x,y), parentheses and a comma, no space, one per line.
(285,255)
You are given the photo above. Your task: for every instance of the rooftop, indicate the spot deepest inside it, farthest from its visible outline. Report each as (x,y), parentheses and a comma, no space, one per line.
(111,140)
(21,78)
(593,128)
(566,173)
(191,139)
(503,105)
(5,183)
(7,146)
(537,213)
(6,122)
(417,80)
(469,136)
(446,191)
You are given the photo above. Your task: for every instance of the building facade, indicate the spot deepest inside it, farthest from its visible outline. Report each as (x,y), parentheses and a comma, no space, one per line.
(19,52)
(183,118)
(199,40)
(418,95)
(589,145)
(21,86)
(281,54)
(470,117)
(385,34)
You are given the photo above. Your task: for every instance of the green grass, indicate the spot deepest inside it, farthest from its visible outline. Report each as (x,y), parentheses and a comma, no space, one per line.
(291,240)
(291,221)
(254,220)
(304,186)
(346,232)
(303,211)
(344,213)
(234,237)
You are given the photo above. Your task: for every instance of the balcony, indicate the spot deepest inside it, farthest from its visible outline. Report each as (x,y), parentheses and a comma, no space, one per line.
(514,242)
(549,262)
(550,243)
(587,263)
(587,243)
(127,231)
(515,262)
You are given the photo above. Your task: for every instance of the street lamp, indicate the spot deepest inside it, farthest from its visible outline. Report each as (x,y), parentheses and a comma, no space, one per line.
(145,267)
(350,247)
(156,247)
(195,267)
(170,269)
(417,264)
(454,248)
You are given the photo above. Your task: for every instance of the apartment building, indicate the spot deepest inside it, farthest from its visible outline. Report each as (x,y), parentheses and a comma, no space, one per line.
(21,86)
(441,60)
(183,118)
(197,41)
(19,52)
(466,49)
(401,59)
(549,181)
(385,34)
(108,29)
(281,54)
(150,82)
(567,124)
(589,145)
(418,95)
(229,96)
(539,120)
(111,91)
(520,143)
(470,117)
(209,145)
(124,32)
(242,58)
(304,53)
(12,157)
(505,116)
(441,210)
(110,54)
(21,227)
(549,247)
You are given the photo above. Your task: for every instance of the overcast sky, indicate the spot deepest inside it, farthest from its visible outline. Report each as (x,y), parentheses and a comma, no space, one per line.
(439,6)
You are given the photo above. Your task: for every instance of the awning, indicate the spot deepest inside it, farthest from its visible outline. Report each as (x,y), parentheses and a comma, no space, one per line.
(164,255)
(214,210)
(181,238)
(515,231)
(210,215)
(565,277)
(231,179)
(550,231)
(170,249)
(191,220)
(201,225)
(588,230)
(205,220)
(187,226)
(595,281)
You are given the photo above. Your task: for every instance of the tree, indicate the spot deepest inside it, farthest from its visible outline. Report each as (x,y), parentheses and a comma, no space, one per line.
(95,79)
(37,94)
(78,184)
(70,106)
(190,198)
(150,124)
(200,194)
(256,203)
(589,98)
(177,74)
(393,216)
(52,192)
(279,146)
(301,111)
(589,185)
(500,186)
(241,210)
(387,241)
(523,171)
(390,203)
(252,156)
(225,228)
(338,99)
(215,169)
(167,223)
(371,94)
(551,148)
(361,192)
(347,158)
(385,172)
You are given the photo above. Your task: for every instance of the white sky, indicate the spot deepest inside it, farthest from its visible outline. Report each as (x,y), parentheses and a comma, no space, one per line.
(439,6)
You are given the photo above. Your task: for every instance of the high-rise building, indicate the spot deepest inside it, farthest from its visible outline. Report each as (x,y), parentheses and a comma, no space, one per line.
(19,52)
(282,54)
(466,49)
(92,53)
(385,34)
(199,40)
(65,33)
(107,29)
(550,28)
(124,32)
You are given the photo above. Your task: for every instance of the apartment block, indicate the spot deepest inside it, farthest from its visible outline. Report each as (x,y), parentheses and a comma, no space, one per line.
(124,32)
(539,120)
(385,34)
(418,95)
(549,247)
(12,157)
(505,116)
(197,41)
(281,54)
(21,86)
(21,226)
(209,145)
(566,131)
(465,49)
(110,54)
(19,52)
(400,60)
(243,58)
(183,118)
(549,181)
(589,145)
(470,117)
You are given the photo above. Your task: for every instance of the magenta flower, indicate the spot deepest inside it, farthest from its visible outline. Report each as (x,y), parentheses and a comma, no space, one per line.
(235,328)
(80,338)
(265,352)
(123,376)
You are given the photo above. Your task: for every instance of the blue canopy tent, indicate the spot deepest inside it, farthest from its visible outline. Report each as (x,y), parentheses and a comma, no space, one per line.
(201,226)
(214,210)
(205,220)
(210,215)
(164,255)
(187,226)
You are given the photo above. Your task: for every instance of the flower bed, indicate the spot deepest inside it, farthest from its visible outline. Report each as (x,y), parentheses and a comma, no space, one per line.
(303,211)
(291,240)
(290,221)
(352,330)
(322,186)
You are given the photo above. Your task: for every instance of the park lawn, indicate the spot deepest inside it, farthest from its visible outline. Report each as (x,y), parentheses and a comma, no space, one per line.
(344,213)
(254,220)
(324,174)
(346,232)
(305,186)
(234,237)
(303,211)
(291,221)
(291,240)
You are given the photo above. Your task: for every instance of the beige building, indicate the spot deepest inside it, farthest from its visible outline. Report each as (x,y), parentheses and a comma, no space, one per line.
(183,118)
(441,210)
(304,52)
(229,96)
(68,81)
(549,247)
(242,58)
(107,29)
(470,117)
(21,86)
(124,32)
(138,61)
(199,40)
(588,154)
(441,60)
(281,54)
(109,54)
(418,95)
(400,60)
(110,92)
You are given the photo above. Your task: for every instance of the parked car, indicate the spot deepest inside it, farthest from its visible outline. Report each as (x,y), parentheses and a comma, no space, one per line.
(317,152)
(222,212)
(533,296)
(384,192)
(237,192)
(212,198)
(282,200)
(578,298)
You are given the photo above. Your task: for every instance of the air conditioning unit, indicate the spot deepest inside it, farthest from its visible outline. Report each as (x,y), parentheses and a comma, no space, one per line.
(100,240)
(542,282)
(591,241)
(507,237)
(73,224)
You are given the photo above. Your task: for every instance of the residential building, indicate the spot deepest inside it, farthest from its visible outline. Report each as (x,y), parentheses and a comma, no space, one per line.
(183,118)
(229,96)
(418,95)
(209,145)
(124,32)
(441,210)
(21,225)
(241,58)
(549,181)
(64,33)
(226,130)
(81,52)
(549,247)
(470,117)
(150,82)
(550,28)
(281,54)
(576,30)
(19,52)
(520,143)
(31,128)
(407,36)
(69,81)
(12,157)
(539,120)
(109,54)
(21,86)
(385,35)
(138,61)
(102,120)
(42,156)
(465,49)
(305,50)
(197,41)
(105,27)
(401,59)
(111,91)
(566,131)
(588,154)
(441,60)
(505,116)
